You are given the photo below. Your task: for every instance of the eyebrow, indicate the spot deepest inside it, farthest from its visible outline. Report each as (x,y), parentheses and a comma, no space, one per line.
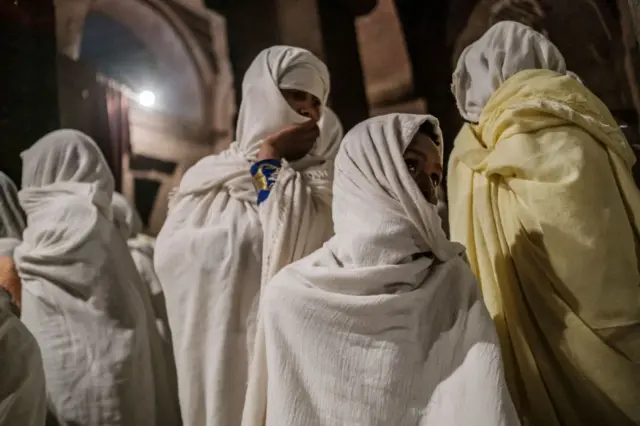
(429,129)
(413,149)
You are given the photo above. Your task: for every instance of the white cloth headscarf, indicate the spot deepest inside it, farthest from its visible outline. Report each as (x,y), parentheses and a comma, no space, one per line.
(384,325)
(12,221)
(217,246)
(125,217)
(22,388)
(82,297)
(504,50)
(331,130)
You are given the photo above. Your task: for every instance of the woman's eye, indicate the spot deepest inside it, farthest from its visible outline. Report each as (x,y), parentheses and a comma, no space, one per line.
(299,95)
(412,165)
(435,179)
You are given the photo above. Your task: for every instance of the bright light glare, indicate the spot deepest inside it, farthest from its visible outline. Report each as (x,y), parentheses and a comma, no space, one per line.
(147,98)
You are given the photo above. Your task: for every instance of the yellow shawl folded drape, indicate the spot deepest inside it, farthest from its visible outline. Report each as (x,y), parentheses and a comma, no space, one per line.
(541,194)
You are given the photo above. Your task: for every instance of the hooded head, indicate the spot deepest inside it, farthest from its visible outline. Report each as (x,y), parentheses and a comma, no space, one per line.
(380,214)
(503,51)
(66,156)
(125,217)
(264,109)
(12,221)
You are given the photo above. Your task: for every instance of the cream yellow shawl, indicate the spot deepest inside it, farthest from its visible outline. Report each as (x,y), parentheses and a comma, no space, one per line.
(541,194)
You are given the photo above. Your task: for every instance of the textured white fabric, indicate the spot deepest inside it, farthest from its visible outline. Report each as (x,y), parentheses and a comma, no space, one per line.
(384,325)
(209,254)
(129,224)
(82,297)
(12,221)
(125,217)
(331,130)
(8,246)
(304,77)
(22,389)
(504,50)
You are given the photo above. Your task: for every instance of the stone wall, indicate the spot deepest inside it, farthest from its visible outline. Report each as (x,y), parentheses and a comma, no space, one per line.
(586,31)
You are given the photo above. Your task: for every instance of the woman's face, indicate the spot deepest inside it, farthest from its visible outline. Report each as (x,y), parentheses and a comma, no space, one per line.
(303,103)
(423,159)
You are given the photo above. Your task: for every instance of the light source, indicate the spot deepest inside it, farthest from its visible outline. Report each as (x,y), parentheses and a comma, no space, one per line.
(147,98)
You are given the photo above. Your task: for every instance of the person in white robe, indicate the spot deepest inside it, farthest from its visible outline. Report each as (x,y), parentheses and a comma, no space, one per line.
(128,222)
(82,297)
(22,387)
(228,232)
(385,324)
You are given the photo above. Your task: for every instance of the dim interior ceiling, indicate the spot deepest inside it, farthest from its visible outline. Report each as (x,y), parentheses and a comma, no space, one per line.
(136,45)
(115,51)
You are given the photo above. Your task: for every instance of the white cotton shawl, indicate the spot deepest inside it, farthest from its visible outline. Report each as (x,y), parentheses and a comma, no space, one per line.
(128,222)
(209,255)
(504,50)
(384,325)
(12,221)
(125,217)
(82,298)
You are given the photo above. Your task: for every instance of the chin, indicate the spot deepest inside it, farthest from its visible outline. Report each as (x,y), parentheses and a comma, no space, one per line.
(430,196)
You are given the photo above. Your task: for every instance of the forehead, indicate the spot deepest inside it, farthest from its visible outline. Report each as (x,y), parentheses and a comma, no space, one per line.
(297,94)
(423,144)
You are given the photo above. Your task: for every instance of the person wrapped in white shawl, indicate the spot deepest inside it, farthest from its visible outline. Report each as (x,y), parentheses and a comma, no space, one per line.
(22,387)
(128,222)
(385,324)
(82,297)
(221,240)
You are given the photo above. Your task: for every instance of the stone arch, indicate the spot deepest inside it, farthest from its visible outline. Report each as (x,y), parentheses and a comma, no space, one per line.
(188,77)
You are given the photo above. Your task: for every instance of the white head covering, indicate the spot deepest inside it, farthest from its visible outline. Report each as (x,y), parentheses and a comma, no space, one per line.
(504,50)
(125,217)
(12,221)
(379,214)
(331,132)
(66,156)
(262,112)
(263,109)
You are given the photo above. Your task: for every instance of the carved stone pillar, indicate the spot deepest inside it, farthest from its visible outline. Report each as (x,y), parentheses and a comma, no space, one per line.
(348,95)
(425,29)
(70,17)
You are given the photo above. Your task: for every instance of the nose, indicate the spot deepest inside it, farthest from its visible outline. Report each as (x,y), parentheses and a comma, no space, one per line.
(309,110)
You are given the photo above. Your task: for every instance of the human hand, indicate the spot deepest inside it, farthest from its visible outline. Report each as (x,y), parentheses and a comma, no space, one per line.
(291,143)
(9,279)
